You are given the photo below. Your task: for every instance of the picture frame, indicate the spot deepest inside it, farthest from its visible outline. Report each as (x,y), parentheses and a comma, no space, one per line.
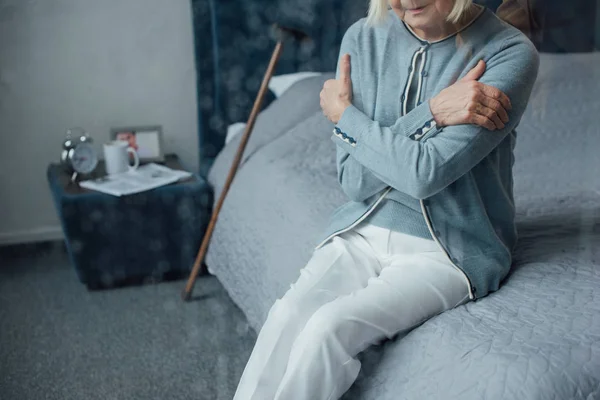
(146,140)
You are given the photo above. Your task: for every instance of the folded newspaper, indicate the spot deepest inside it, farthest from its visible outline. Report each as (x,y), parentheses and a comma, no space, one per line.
(144,178)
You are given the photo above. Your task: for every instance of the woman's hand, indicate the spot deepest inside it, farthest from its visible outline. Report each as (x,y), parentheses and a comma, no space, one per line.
(471,102)
(336,94)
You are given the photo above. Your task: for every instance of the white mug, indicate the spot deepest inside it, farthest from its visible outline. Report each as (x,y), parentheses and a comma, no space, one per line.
(116,157)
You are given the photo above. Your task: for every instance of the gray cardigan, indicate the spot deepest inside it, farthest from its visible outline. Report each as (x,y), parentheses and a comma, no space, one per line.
(461,176)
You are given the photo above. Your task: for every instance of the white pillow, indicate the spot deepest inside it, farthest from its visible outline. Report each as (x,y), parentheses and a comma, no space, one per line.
(278,85)
(234,129)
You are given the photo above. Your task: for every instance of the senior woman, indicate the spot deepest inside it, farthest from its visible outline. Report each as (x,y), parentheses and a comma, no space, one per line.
(425,104)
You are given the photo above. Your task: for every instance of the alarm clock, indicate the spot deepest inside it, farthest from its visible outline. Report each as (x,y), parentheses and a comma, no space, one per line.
(78,155)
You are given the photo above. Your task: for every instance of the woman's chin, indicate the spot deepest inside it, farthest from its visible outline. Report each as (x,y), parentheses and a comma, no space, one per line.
(416,23)
(417,20)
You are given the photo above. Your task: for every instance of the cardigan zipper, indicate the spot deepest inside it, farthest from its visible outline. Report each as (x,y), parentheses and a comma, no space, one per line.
(361,218)
(471,295)
(422,51)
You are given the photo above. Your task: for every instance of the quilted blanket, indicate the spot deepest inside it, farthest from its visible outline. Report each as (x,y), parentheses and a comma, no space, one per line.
(538,337)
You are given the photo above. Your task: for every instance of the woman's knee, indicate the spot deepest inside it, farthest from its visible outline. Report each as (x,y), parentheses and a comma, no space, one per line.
(312,273)
(325,324)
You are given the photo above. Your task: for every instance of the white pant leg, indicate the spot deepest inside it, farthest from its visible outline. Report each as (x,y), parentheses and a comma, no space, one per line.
(342,266)
(412,287)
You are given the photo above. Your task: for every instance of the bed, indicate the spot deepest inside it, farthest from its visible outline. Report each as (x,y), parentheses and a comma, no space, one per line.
(536,338)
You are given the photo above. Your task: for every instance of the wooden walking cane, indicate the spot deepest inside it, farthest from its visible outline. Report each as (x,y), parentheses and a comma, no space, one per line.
(282,35)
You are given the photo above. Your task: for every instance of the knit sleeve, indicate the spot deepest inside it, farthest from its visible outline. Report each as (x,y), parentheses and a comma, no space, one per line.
(424,167)
(357,182)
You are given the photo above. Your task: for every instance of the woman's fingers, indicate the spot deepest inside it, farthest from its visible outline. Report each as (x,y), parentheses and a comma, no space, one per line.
(486,105)
(491,115)
(496,106)
(485,122)
(478,106)
(478,109)
(345,68)
(497,95)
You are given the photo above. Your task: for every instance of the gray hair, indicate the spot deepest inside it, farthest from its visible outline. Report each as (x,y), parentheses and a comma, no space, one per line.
(378,11)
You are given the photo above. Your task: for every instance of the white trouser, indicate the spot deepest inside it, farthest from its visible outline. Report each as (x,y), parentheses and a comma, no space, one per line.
(363,286)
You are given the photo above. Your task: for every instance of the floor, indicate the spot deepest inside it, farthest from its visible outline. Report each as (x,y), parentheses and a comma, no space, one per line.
(60,341)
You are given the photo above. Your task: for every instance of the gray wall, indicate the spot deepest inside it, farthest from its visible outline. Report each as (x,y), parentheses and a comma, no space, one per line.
(88,63)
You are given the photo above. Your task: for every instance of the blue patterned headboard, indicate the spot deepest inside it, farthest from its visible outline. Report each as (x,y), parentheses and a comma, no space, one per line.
(233,46)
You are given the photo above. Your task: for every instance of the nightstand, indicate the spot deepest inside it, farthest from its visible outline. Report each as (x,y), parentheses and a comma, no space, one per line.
(144,237)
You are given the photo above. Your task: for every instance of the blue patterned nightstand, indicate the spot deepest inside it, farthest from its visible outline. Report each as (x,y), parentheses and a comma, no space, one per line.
(149,236)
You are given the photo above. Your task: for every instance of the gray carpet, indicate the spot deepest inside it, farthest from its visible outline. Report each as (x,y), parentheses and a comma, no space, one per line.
(60,341)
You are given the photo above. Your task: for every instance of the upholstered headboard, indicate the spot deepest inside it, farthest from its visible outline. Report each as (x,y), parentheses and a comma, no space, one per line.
(233,46)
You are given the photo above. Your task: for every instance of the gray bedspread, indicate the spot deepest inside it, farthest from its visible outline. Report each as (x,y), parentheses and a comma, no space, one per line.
(538,337)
